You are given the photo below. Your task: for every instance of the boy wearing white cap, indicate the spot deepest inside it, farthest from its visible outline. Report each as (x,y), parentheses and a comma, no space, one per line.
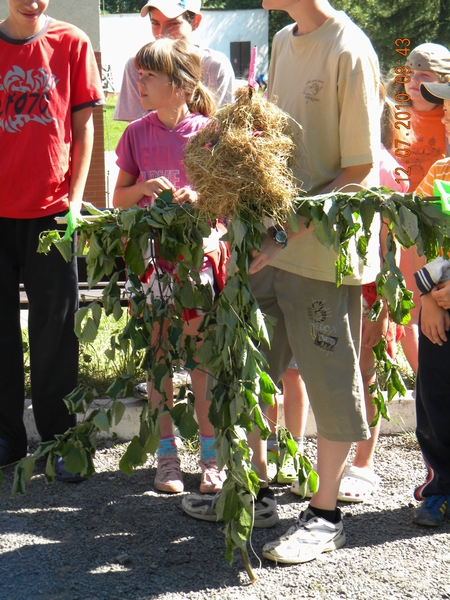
(175,19)
(427,63)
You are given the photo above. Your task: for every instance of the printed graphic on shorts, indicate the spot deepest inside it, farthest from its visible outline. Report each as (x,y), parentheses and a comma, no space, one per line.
(312,90)
(24,97)
(322,332)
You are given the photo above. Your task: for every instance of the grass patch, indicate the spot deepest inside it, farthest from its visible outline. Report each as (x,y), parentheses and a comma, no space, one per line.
(96,371)
(112,129)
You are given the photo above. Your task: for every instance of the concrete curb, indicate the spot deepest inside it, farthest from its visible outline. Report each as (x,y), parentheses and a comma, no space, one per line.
(402,415)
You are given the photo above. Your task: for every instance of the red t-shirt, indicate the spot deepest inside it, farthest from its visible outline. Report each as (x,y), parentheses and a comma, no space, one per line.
(42,81)
(427,147)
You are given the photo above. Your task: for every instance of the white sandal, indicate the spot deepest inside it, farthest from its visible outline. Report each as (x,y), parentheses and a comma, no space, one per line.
(357,485)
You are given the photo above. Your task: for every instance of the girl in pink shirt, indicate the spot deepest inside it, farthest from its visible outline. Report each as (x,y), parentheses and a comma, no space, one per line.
(150,156)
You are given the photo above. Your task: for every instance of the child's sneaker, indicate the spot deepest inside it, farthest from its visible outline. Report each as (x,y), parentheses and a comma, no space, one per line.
(432,511)
(204,508)
(168,474)
(272,466)
(306,540)
(302,491)
(212,479)
(286,471)
(266,514)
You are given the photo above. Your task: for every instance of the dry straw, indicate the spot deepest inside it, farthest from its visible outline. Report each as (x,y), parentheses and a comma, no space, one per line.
(242,160)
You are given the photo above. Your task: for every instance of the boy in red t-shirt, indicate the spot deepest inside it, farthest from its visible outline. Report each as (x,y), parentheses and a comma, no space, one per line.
(49,84)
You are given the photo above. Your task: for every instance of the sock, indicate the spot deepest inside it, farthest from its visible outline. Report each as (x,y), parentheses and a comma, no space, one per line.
(167,446)
(299,442)
(206,450)
(334,516)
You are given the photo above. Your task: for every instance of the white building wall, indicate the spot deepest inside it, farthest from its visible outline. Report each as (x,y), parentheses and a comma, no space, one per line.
(82,13)
(123,35)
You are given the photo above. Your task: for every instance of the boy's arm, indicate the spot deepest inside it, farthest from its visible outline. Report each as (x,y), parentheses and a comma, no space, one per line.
(81,151)
(373,331)
(349,175)
(441,294)
(435,320)
(269,249)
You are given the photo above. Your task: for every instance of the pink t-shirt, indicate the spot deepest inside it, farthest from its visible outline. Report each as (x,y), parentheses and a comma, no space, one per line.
(148,149)
(388,164)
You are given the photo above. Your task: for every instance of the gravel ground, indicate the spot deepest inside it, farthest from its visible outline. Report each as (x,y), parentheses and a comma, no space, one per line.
(113,537)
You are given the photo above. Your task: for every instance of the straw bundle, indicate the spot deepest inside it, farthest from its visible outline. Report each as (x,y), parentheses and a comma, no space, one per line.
(242,160)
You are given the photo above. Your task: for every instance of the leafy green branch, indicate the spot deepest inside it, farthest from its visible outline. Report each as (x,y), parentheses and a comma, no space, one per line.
(411,220)
(232,329)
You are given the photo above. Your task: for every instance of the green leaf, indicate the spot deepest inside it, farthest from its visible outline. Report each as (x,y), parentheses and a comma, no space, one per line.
(408,221)
(232,289)
(187,294)
(367,212)
(133,257)
(101,420)
(160,374)
(259,323)
(118,411)
(74,456)
(188,426)
(65,248)
(117,387)
(227,504)
(391,290)
(133,457)
(323,234)
(238,229)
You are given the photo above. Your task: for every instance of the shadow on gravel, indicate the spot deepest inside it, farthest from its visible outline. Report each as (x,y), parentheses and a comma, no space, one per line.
(113,537)
(110,537)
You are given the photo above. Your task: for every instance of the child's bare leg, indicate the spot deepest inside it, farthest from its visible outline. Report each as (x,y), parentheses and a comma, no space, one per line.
(410,262)
(296,406)
(296,403)
(168,474)
(331,459)
(259,458)
(410,344)
(365,450)
(201,386)
(156,399)
(273,416)
(212,479)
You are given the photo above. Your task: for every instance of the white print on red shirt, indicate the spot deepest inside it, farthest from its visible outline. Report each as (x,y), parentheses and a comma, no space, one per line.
(24,97)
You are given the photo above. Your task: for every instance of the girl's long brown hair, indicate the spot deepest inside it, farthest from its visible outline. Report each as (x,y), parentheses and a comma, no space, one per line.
(181,62)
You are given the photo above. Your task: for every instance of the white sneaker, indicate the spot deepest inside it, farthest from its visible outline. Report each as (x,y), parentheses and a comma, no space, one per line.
(203,507)
(306,540)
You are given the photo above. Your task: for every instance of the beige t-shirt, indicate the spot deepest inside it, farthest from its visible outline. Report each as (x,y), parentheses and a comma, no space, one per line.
(327,80)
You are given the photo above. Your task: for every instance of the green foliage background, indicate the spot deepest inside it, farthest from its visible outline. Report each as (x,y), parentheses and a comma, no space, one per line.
(382,20)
